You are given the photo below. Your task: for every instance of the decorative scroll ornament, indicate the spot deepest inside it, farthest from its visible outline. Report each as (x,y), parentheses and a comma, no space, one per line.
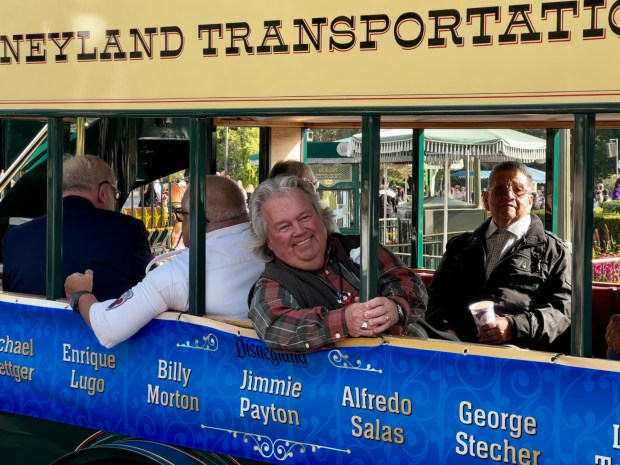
(209,343)
(339,360)
(280,449)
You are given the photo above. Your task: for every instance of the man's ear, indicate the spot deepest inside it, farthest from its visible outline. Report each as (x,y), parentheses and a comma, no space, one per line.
(101,194)
(485,200)
(531,201)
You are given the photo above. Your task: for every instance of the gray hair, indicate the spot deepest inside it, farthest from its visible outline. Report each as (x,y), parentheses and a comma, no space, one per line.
(85,173)
(511,166)
(280,186)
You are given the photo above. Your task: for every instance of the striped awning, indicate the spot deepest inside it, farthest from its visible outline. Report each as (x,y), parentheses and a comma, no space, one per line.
(492,145)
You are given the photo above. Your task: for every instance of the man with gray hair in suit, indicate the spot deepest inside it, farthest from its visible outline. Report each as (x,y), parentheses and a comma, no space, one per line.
(95,236)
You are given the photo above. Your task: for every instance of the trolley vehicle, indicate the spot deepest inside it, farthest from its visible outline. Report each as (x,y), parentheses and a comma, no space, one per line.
(191,389)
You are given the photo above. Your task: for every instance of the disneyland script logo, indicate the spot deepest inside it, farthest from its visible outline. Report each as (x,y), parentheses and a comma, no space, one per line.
(503,24)
(248,349)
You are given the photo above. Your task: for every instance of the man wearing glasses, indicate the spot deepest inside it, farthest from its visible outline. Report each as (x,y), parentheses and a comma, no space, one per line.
(231,270)
(94,235)
(513,262)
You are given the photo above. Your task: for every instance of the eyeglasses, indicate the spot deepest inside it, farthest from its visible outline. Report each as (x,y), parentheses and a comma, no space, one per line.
(179,214)
(117,192)
(517,190)
(313,182)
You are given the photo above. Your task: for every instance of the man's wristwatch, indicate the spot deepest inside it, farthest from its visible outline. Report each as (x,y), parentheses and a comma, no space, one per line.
(75,300)
(402,316)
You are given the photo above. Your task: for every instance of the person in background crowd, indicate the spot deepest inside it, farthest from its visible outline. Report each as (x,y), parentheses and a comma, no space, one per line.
(308,296)
(605,196)
(455,193)
(463,193)
(231,270)
(539,202)
(249,190)
(615,194)
(152,195)
(598,195)
(295,168)
(94,236)
(510,260)
(549,202)
(598,199)
(388,201)
(177,189)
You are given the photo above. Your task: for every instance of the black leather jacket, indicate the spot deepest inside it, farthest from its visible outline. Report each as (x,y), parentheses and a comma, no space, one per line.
(531,286)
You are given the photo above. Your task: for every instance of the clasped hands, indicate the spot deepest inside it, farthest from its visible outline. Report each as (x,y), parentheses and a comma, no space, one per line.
(367,319)
(79,282)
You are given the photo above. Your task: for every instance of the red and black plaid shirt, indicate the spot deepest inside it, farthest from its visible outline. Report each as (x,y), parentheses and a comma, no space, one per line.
(283,325)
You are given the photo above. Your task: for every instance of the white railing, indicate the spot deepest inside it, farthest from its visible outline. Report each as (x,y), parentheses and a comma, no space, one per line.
(396,235)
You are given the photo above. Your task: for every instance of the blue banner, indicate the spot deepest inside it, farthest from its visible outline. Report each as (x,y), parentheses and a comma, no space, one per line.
(201,387)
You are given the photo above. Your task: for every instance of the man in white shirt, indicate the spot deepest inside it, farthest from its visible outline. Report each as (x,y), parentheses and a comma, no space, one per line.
(231,270)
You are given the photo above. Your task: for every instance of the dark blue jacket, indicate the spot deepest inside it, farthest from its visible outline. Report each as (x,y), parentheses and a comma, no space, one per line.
(113,245)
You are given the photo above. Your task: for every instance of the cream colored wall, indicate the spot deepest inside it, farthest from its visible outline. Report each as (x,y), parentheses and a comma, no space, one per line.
(286,144)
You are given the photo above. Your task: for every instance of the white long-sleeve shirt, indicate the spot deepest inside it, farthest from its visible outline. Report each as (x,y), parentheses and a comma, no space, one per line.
(231,269)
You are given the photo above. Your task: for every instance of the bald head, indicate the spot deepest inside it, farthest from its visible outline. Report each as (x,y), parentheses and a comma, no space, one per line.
(225,205)
(224,199)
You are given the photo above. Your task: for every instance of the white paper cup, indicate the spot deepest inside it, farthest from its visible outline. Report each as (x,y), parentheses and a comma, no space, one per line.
(482,312)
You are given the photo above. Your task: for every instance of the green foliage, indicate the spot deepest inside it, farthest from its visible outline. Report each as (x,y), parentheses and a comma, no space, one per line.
(613,206)
(330,135)
(540,213)
(242,142)
(609,182)
(604,167)
(605,224)
(611,221)
(174,177)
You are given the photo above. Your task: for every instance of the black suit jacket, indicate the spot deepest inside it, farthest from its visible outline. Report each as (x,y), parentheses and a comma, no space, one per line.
(113,245)
(531,286)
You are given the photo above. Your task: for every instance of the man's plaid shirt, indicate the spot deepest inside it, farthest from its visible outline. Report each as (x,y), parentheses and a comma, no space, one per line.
(283,325)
